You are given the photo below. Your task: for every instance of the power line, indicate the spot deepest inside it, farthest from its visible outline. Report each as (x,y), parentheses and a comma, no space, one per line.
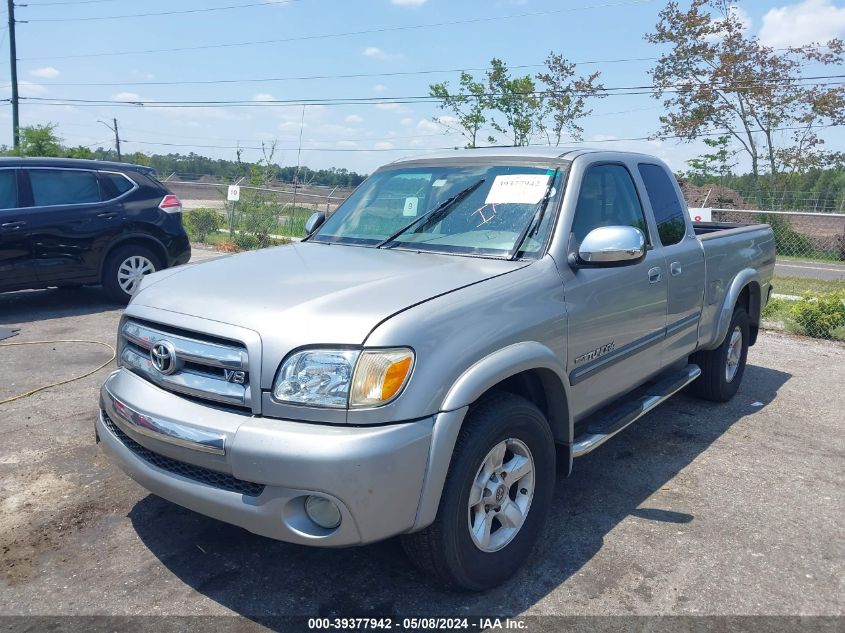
(334,101)
(346,76)
(420,149)
(163,13)
(68,2)
(349,33)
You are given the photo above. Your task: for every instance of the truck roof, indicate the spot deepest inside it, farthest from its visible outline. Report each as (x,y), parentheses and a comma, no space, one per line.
(541,152)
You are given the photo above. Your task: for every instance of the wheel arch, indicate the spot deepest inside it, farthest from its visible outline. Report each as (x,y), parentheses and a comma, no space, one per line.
(528,369)
(744,290)
(141,239)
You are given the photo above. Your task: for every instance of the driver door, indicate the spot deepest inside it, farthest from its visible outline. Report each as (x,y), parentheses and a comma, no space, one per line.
(617,315)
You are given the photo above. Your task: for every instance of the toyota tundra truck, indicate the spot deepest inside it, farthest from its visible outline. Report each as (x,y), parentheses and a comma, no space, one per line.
(434,353)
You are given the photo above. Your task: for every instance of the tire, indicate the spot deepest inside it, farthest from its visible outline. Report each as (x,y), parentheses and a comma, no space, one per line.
(446,549)
(124,268)
(722,368)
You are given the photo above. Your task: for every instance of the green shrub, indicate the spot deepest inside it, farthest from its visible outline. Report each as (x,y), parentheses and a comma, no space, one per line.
(820,316)
(201,222)
(246,241)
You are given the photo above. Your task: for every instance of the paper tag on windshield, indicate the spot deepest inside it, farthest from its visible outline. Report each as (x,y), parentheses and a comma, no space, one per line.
(410,208)
(518,189)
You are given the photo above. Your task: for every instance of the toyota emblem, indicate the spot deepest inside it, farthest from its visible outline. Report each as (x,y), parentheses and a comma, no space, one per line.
(163,357)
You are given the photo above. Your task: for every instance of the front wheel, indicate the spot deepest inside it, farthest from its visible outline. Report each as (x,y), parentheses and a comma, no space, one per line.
(722,368)
(496,497)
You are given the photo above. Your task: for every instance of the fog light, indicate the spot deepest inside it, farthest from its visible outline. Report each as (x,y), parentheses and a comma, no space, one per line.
(323,512)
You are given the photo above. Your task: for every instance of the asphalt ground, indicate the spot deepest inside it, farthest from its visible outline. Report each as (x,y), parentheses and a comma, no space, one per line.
(829,271)
(697,509)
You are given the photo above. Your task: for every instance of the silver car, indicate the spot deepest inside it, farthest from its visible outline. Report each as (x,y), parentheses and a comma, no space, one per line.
(411,366)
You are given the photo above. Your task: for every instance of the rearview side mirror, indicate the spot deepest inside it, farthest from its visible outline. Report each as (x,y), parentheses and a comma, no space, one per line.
(611,246)
(314,222)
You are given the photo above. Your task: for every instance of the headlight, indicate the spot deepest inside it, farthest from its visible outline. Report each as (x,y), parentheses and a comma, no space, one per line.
(324,377)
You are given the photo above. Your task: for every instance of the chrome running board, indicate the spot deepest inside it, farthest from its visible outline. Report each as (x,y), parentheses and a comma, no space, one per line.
(607,422)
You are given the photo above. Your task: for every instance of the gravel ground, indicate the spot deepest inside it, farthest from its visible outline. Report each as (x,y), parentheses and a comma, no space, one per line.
(698,508)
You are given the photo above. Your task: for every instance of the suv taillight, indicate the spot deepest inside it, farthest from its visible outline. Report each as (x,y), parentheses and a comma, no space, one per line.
(171,204)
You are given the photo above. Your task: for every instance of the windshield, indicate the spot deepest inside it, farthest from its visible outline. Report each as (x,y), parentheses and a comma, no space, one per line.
(492,206)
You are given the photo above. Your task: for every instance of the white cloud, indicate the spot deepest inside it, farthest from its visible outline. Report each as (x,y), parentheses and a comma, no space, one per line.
(264,96)
(408,3)
(374,52)
(803,23)
(346,144)
(379,88)
(383,145)
(48,72)
(126,96)
(407,121)
(354,119)
(427,125)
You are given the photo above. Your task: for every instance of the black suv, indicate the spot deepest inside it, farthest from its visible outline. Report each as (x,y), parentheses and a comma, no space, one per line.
(68,222)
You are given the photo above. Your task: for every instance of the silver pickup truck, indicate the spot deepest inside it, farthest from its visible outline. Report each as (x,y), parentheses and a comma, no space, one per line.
(463,326)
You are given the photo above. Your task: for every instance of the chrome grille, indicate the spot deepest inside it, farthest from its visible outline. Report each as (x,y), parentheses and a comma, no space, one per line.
(203,368)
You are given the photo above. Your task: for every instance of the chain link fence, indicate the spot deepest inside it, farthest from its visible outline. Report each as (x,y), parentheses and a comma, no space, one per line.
(813,304)
(809,236)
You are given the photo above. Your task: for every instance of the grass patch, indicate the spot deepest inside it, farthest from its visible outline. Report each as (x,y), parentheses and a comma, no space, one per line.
(799,286)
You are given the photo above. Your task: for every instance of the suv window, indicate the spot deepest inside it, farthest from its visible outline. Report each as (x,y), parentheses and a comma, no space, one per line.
(668,210)
(8,188)
(121,183)
(63,186)
(608,197)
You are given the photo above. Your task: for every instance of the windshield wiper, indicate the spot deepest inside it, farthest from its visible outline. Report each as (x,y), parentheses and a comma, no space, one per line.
(439,210)
(536,219)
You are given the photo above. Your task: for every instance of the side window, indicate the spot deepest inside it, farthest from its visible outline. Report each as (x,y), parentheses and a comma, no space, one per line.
(668,210)
(8,188)
(63,186)
(608,197)
(119,182)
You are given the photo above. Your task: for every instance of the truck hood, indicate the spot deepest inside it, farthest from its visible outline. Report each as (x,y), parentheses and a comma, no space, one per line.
(309,293)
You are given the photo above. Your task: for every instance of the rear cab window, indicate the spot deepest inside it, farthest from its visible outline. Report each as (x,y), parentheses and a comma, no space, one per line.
(668,210)
(58,187)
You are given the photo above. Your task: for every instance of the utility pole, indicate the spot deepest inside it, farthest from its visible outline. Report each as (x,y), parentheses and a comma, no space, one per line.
(13,61)
(117,140)
(116,136)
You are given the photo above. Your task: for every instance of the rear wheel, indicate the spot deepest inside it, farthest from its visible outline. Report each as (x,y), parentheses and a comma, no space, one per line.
(722,368)
(495,499)
(126,267)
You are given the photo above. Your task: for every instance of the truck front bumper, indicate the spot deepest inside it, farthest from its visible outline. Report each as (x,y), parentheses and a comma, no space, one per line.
(257,472)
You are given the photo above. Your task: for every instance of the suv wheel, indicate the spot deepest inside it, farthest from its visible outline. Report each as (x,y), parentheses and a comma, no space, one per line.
(495,499)
(722,368)
(124,269)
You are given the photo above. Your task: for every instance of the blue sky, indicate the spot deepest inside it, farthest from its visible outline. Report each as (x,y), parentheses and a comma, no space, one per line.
(582,30)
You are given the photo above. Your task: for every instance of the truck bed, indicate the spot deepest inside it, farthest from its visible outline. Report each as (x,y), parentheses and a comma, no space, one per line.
(708,228)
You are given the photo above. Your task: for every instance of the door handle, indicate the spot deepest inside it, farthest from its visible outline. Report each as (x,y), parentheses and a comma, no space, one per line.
(675,268)
(12,226)
(109,215)
(654,275)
